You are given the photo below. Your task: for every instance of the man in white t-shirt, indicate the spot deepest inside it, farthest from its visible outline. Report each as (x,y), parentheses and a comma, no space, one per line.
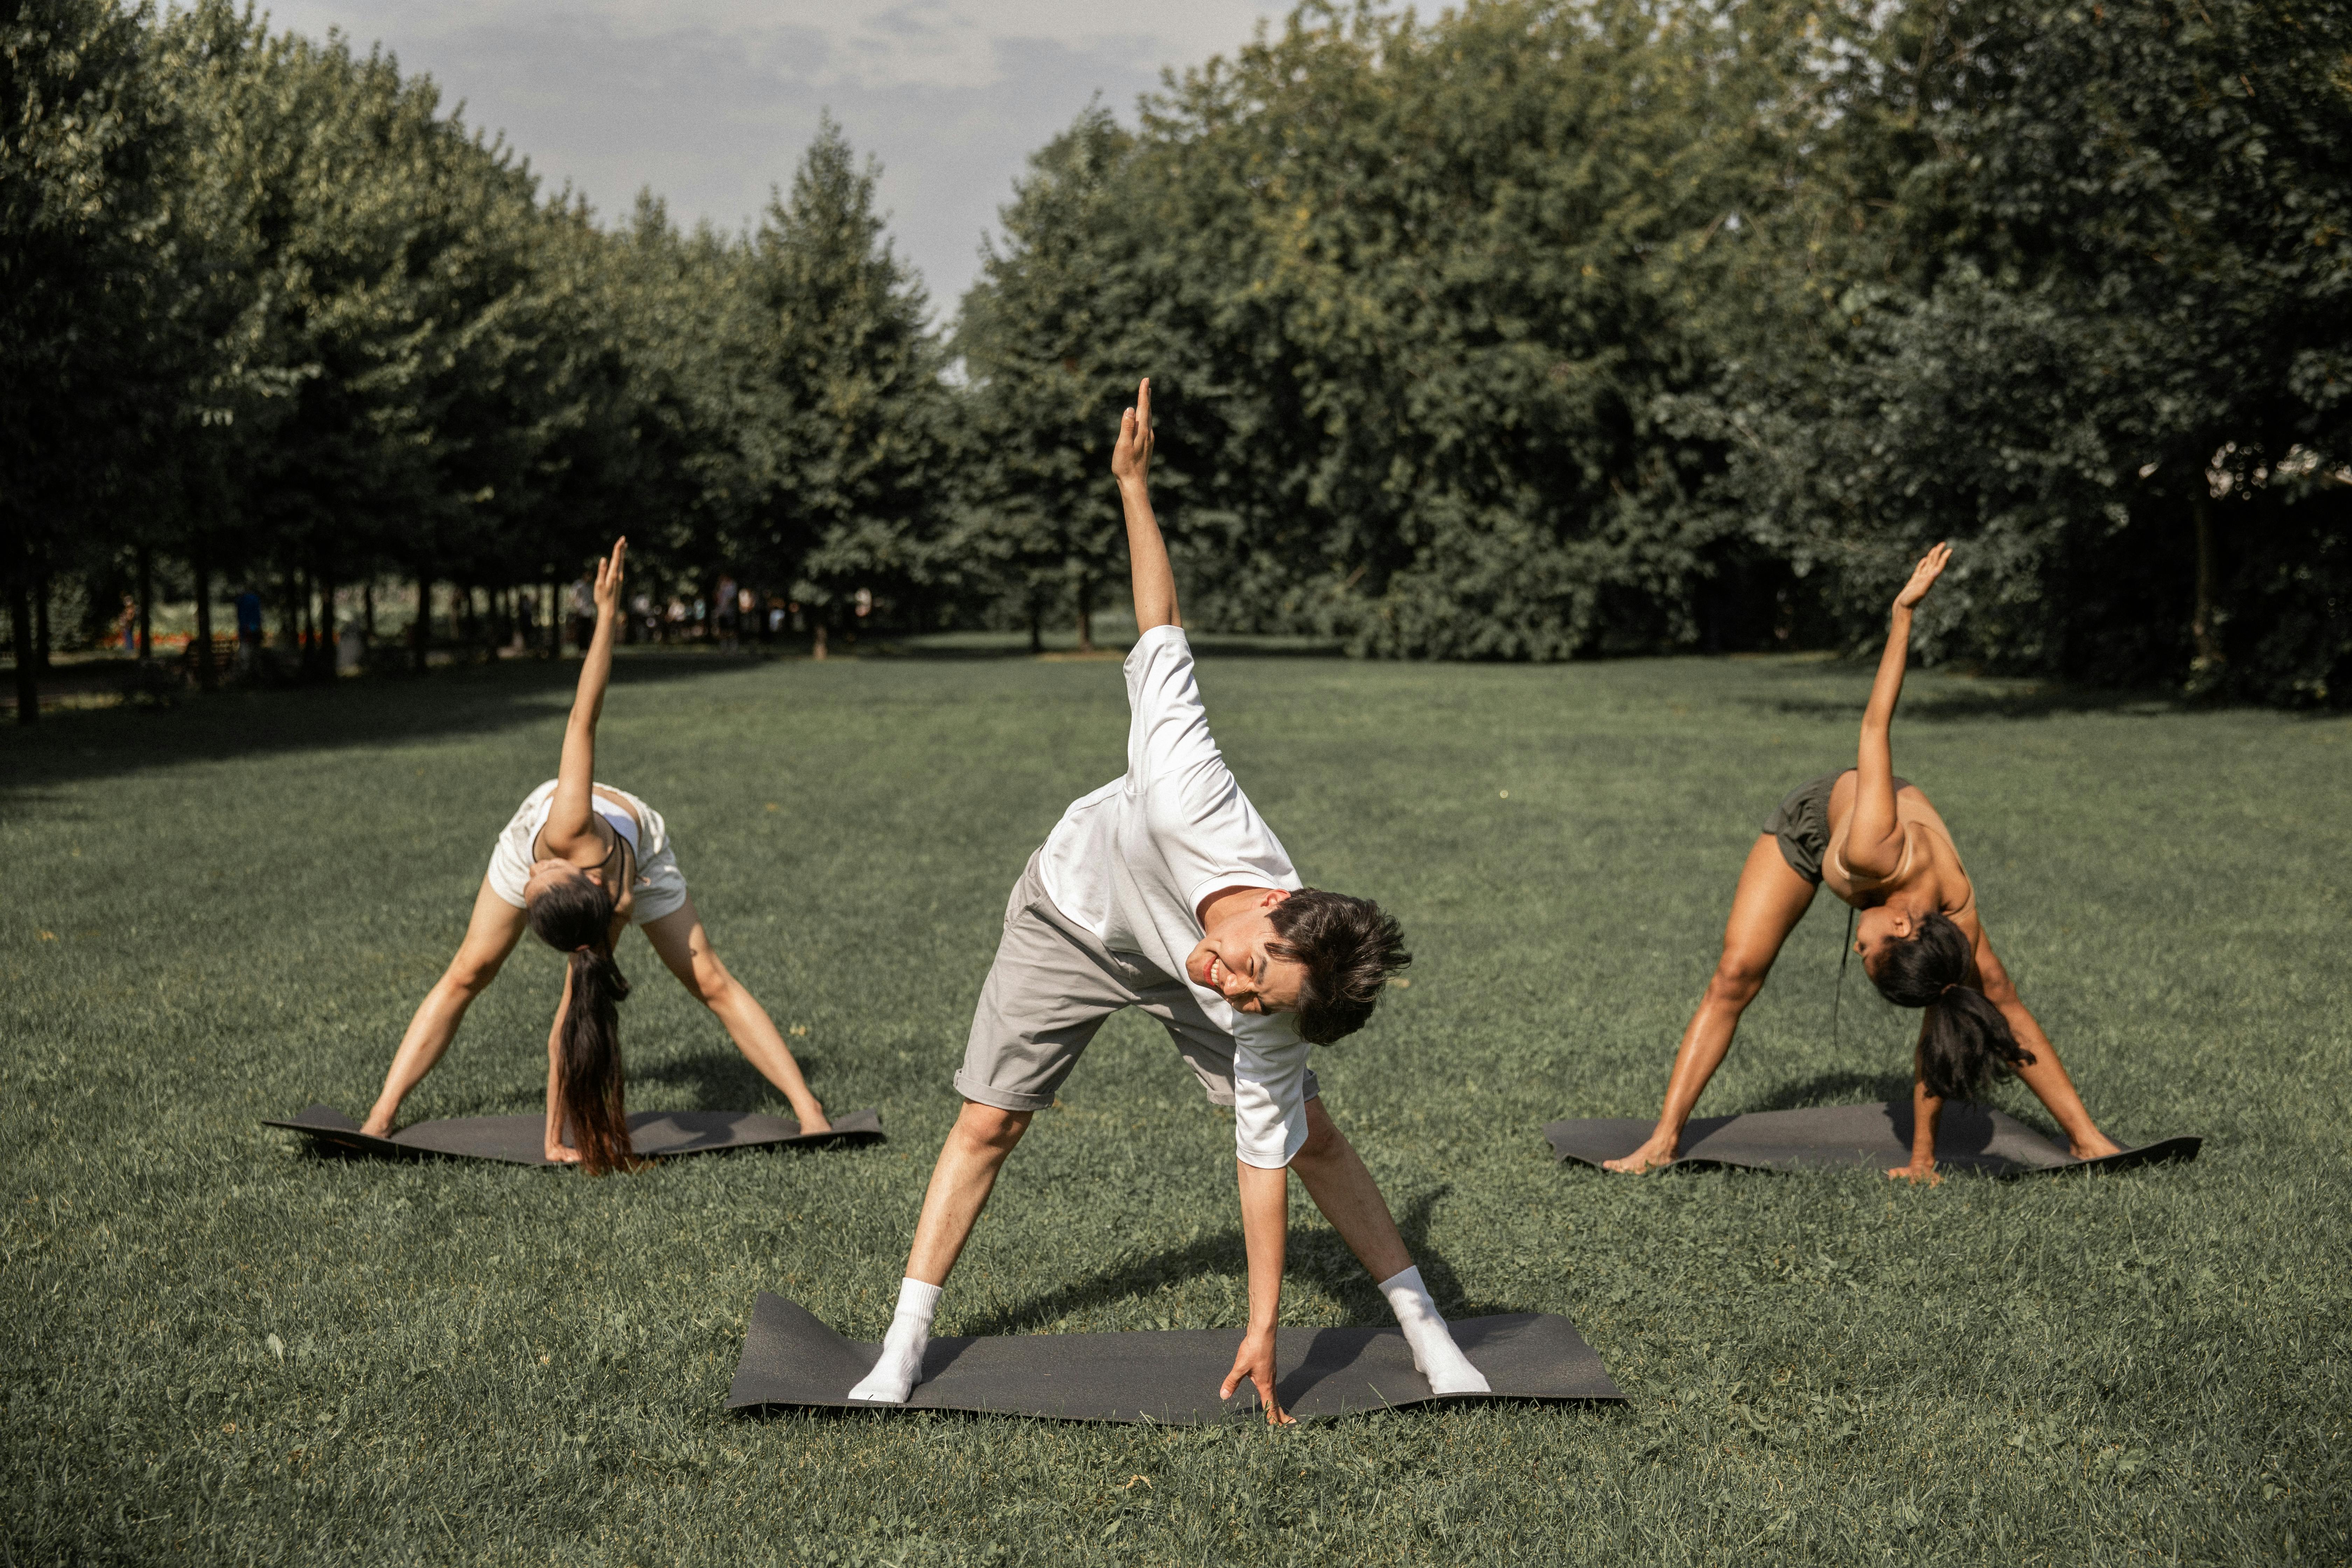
(1164,890)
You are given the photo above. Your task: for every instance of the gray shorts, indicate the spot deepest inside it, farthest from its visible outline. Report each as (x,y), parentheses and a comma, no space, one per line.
(1051,987)
(1801,822)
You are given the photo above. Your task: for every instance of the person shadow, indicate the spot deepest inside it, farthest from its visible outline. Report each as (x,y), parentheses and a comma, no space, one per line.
(1315,1254)
(1849,1088)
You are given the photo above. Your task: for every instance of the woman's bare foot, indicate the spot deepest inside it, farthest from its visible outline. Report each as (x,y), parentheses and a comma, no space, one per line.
(813,1119)
(1916,1172)
(2097,1146)
(378,1124)
(557,1155)
(1658,1152)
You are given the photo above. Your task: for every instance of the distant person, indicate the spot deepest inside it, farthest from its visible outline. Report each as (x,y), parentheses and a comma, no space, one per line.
(728,613)
(128,621)
(1165,891)
(583,615)
(579,864)
(1882,847)
(248,630)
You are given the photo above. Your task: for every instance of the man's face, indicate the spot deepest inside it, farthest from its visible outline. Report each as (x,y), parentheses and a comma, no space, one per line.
(1232,960)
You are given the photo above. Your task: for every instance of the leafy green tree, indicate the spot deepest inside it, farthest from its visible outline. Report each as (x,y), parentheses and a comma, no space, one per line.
(80,125)
(2086,303)
(1419,286)
(845,418)
(1050,341)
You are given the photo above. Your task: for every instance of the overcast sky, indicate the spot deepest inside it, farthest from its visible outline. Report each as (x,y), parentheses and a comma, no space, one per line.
(711,102)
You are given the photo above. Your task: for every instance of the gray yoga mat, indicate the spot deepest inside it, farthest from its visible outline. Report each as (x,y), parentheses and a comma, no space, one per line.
(520,1140)
(1874,1137)
(1169,1377)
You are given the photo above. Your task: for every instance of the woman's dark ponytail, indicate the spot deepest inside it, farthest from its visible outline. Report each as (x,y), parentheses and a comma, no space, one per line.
(575,916)
(1967,1043)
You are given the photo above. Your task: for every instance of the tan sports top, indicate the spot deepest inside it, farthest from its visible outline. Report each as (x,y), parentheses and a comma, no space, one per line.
(1914,817)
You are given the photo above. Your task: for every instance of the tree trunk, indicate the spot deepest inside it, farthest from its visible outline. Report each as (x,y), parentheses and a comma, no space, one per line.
(1086,615)
(308,662)
(20,626)
(41,620)
(554,624)
(1036,626)
(290,617)
(2206,670)
(206,676)
(420,630)
(818,650)
(329,656)
(367,609)
(146,604)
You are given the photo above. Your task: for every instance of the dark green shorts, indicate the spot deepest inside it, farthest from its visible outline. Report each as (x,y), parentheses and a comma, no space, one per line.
(1803,823)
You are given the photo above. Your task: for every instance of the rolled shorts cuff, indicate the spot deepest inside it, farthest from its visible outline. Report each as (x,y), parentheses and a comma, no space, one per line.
(999,1098)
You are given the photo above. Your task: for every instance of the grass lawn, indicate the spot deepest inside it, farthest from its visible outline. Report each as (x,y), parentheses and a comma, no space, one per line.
(217,1346)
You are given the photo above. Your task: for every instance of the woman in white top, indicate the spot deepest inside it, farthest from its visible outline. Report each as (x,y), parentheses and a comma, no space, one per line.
(579,863)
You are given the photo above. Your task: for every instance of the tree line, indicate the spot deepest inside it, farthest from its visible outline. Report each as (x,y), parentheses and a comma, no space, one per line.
(1530,331)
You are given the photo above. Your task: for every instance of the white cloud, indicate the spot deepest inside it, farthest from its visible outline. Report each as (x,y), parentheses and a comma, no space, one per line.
(710,103)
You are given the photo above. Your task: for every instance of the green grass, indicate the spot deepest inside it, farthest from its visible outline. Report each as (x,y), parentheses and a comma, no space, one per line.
(218,1346)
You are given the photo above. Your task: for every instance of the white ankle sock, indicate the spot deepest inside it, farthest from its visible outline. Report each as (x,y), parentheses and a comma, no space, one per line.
(901,1367)
(1434,1354)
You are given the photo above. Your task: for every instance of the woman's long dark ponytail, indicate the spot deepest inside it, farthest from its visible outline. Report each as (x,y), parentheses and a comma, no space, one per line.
(575,916)
(1967,1043)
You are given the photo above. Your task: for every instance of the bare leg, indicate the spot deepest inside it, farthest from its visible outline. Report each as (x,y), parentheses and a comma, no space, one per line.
(1335,1177)
(684,948)
(975,1150)
(2044,1074)
(490,935)
(1768,902)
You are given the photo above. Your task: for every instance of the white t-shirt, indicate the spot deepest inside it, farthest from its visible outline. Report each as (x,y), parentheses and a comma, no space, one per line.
(1132,861)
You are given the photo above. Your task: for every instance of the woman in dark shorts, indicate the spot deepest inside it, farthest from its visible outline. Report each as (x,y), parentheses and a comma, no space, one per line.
(1879,845)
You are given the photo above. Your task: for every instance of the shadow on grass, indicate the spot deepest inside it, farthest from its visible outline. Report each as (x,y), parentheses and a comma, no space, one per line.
(1830,1089)
(724,1080)
(1998,700)
(67,747)
(1207,645)
(1318,1255)
(1867,1087)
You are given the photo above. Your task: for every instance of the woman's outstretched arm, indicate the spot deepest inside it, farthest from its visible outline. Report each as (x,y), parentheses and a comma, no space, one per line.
(1874,843)
(568,813)
(1147,553)
(1927,1110)
(555,1148)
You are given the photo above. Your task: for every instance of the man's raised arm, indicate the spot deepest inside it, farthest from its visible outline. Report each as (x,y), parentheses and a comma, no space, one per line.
(1147,552)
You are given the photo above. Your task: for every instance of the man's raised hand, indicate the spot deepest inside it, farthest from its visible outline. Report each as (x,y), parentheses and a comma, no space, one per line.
(1130,461)
(1922,576)
(608,578)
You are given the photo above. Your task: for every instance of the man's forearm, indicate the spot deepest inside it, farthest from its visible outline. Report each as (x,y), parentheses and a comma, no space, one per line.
(1153,578)
(1266,1216)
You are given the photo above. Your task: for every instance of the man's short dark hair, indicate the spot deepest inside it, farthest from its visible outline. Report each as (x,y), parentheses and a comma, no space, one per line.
(1350,948)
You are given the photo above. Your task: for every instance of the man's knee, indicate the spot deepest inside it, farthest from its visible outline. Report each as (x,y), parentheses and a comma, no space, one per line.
(1324,1138)
(989,1127)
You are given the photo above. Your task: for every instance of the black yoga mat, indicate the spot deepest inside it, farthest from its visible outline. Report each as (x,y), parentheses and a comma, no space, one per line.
(1169,1377)
(520,1140)
(1874,1137)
